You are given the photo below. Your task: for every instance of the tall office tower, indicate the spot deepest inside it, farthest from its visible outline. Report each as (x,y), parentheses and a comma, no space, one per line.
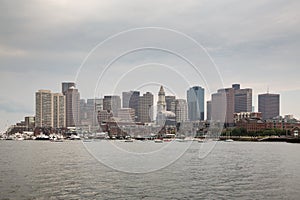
(66,86)
(145,110)
(181,110)
(170,103)
(242,99)
(43,109)
(59,110)
(125,99)
(208,110)
(93,106)
(134,103)
(72,107)
(83,112)
(131,100)
(112,103)
(222,106)
(195,100)
(269,105)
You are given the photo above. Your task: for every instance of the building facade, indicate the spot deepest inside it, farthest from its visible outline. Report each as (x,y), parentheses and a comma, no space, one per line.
(59,110)
(43,109)
(145,110)
(269,105)
(66,85)
(195,101)
(242,99)
(112,103)
(222,106)
(181,110)
(72,107)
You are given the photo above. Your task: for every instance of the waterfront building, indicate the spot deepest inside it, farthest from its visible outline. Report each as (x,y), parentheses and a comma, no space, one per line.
(145,108)
(208,110)
(92,108)
(181,110)
(66,86)
(126,114)
(125,99)
(29,122)
(242,99)
(103,116)
(131,100)
(222,106)
(43,108)
(72,107)
(59,110)
(195,100)
(170,103)
(112,103)
(83,112)
(269,105)
(49,109)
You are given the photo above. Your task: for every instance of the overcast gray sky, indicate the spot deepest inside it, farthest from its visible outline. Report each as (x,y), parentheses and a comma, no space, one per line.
(42,43)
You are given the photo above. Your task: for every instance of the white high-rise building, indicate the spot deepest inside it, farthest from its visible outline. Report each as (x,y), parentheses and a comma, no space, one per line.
(43,109)
(50,109)
(59,110)
(181,110)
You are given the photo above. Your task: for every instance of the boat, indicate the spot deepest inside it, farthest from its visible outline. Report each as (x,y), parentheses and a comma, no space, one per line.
(229,140)
(158,141)
(180,140)
(128,140)
(42,137)
(293,140)
(74,137)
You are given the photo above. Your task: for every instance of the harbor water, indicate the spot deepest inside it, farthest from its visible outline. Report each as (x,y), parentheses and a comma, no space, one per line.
(233,170)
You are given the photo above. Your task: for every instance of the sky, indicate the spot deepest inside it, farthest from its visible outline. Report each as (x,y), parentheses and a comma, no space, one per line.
(43,43)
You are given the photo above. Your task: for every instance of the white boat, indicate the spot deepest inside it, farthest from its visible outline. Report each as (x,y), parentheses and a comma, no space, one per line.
(229,140)
(74,137)
(128,140)
(158,141)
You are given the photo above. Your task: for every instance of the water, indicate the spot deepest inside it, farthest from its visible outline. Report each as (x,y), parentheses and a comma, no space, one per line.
(238,170)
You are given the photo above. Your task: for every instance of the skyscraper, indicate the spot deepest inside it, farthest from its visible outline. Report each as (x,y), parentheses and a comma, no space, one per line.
(66,86)
(112,103)
(93,106)
(222,106)
(72,107)
(269,105)
(208,110)
(59,110)
(131,100)
(134,102)
(145,110)
(125,99)
(50,109)
(242,99)
(170,103)
(195,100)
(43,109)
(181,110)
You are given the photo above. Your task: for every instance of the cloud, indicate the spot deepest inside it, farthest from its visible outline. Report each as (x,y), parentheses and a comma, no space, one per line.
(43,43)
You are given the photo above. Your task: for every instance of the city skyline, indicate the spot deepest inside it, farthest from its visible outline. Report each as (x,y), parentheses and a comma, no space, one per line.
(259,49)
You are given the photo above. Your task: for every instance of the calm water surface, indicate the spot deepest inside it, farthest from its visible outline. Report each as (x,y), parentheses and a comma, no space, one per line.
(46,170)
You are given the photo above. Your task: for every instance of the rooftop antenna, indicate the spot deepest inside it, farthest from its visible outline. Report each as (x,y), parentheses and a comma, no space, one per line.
(268,90)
